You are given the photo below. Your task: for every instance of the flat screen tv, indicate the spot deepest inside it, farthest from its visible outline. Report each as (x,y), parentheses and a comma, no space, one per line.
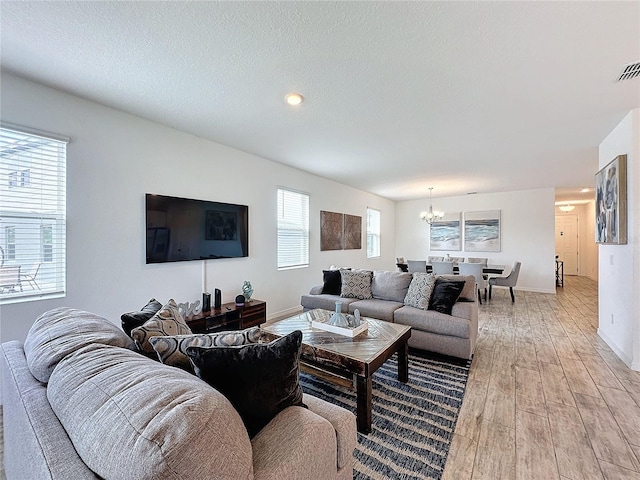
(182,229)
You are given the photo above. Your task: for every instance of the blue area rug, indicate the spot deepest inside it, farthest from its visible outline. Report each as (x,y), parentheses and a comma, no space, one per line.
(413,423)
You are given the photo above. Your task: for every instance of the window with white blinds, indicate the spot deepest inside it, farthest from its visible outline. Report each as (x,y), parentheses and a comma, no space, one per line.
(293,229)
(373,233)
(32,215)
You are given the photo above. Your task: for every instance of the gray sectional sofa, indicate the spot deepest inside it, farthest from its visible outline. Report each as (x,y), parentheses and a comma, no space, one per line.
(80,403)
(454,335)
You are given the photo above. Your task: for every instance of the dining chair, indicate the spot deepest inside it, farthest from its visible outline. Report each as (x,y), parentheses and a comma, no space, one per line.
(508,281)
(430,259)
(30,276)
(417,266)
(456,260)
(475,269)
(442,268)
(482,260)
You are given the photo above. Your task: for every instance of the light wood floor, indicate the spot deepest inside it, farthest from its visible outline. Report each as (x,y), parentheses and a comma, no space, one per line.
(546,398)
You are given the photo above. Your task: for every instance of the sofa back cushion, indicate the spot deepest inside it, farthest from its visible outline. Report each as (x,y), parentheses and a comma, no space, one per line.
(61,331)
(468,293)
(130,417)
(390,285)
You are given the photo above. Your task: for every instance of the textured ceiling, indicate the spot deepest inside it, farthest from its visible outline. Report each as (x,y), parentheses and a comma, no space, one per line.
(400,96)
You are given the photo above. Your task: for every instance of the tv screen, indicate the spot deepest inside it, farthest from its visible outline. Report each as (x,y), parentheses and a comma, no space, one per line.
(181,229)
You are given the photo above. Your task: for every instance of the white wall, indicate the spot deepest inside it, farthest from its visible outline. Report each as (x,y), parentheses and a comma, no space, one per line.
(527,229)
(115,158)
(619,265)
(587,246)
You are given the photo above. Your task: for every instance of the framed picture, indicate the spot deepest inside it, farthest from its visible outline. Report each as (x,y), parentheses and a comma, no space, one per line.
(331,230)
(611,202)
(445,234)
(482,231)
(221,225)
(352,232)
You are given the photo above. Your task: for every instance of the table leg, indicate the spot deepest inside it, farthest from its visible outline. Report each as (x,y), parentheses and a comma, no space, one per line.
(403,363)
(363,393)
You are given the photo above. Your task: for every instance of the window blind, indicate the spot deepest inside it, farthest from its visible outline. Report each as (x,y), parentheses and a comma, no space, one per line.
(293,229)
(373,233)
(32,215)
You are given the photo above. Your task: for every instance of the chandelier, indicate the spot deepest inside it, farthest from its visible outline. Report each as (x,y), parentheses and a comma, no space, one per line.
(431,216)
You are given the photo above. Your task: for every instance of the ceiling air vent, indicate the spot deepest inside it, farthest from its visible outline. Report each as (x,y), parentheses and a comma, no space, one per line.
(629,71)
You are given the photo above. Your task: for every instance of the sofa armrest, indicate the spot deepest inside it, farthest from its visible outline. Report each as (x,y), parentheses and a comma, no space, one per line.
(466,310)
(296,444)
(344,423)
(316,290)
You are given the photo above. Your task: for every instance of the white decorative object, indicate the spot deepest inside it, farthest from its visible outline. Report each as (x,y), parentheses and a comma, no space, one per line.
(187,309)
(346,331)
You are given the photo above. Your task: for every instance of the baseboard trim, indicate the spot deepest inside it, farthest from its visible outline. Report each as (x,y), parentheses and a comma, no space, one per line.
(619,353)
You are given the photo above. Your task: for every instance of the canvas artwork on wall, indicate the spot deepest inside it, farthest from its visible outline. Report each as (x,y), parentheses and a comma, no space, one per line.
(445,234)
(611,202)
(331,230)
(352,232)
(482,231)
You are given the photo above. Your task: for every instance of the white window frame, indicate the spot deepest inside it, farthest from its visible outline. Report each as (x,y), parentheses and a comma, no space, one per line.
(373,233)
(38,160)
(293,229)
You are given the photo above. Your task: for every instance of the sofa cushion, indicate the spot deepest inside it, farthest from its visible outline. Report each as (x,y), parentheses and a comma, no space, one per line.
(326,302)
(444,295)
(132,320)
(376,308)
(331,282)
(356,284)
(433,321)
(172,350)
(468,293)
(419,291)
(390,285)
(260,380)
(167,321)
(130,417)
(61,331)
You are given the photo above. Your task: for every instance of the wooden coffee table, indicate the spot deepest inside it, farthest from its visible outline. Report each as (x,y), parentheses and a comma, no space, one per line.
(345,360)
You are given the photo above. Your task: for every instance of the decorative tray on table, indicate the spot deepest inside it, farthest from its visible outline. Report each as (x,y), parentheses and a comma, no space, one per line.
(321,321)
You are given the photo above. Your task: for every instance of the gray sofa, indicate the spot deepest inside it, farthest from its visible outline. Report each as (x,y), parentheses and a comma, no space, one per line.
(79,403)
(454,335)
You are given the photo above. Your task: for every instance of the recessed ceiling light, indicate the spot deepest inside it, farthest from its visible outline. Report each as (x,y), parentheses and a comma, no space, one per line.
(293,98)
(584,190)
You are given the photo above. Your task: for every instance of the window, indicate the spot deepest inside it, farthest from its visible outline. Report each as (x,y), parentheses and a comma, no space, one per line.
(293,229)
(373,233)
(32,220)
(10,236)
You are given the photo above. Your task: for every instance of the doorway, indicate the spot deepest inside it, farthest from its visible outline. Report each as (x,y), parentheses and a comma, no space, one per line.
(567,242)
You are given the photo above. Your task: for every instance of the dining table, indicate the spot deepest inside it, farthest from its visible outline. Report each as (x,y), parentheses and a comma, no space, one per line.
(487,269)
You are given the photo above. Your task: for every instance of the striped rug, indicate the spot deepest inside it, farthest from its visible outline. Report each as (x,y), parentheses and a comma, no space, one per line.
(413,423)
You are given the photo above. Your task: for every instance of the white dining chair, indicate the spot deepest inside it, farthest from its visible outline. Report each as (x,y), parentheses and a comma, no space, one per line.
(508,281)
(431,259)
(442,268)
(417,266)
(475,269)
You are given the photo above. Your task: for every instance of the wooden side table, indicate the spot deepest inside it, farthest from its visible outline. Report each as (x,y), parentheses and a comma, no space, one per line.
(229,317)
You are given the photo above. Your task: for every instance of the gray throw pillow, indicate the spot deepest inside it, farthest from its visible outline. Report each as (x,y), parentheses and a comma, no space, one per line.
(420,289)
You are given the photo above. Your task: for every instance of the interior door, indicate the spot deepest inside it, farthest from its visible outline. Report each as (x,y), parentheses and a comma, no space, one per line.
(567,242)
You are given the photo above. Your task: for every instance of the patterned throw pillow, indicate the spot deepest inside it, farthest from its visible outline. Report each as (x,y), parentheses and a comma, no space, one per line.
(173,350)
(420,289)
(260,380)
(167,321)
(356,284)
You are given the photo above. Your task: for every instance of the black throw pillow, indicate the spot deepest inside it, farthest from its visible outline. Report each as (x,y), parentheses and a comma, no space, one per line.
(132,320)
(445,294)
(260,380)
(332,282)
